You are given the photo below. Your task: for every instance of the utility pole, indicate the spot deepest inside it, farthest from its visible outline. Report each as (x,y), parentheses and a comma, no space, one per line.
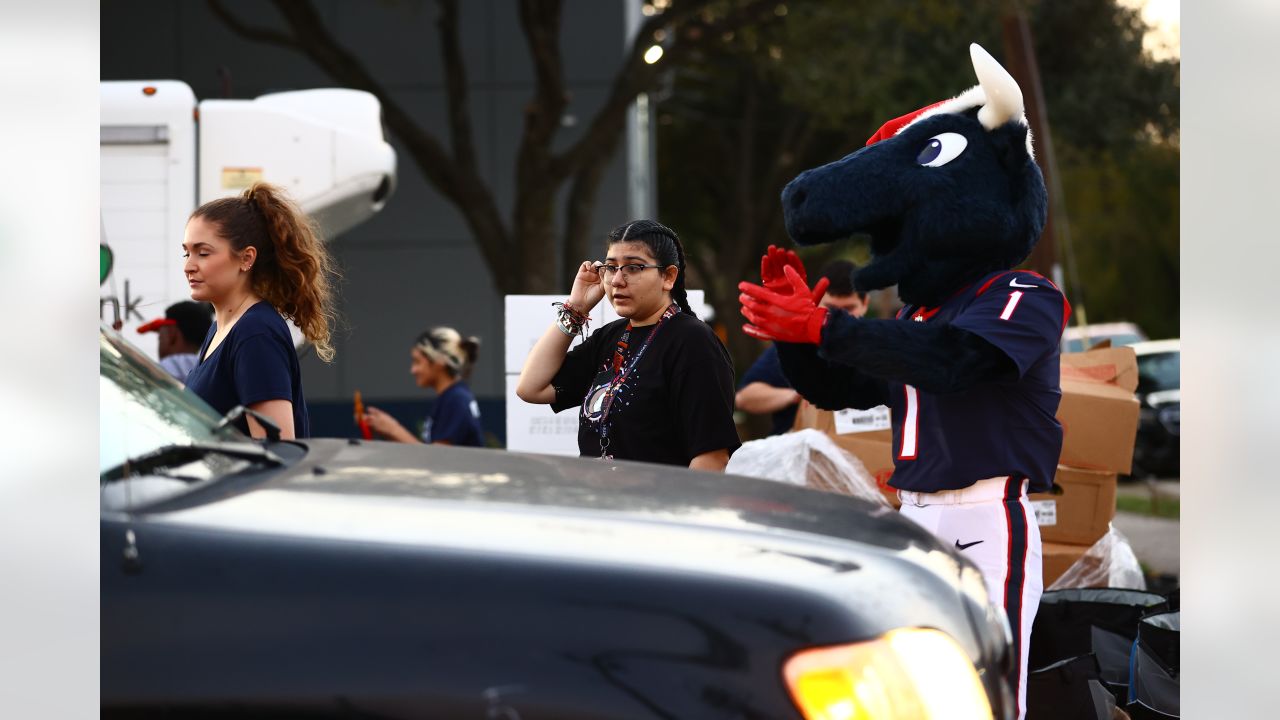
(1021,61)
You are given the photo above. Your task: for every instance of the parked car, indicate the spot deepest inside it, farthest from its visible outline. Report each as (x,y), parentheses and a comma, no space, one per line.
(1078,338)
(1156,449)
(332,577)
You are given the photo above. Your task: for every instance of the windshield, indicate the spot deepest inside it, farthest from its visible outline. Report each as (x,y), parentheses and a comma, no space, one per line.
(1117,340)
(143,409)
(1158,371)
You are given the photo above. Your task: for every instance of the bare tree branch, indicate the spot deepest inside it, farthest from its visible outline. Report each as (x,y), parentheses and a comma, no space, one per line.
(455,78)
(447,173)
(578,212)
(251,32)
(540,20)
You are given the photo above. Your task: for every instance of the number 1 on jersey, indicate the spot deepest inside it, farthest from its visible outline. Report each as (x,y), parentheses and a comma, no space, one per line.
(910,424)
(1014,297)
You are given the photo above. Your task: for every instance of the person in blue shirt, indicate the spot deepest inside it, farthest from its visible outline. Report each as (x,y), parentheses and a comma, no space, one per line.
(764,387)
(441,360)
(259,261)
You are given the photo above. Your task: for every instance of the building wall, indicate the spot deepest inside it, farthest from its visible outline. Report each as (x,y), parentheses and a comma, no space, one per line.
(415,264)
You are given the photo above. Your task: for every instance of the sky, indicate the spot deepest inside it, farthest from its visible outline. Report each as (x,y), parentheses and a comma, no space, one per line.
(1164,40)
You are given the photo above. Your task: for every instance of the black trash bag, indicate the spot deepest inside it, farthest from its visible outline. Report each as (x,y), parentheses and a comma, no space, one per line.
(1154,687)
(1102,621)
(1069,690)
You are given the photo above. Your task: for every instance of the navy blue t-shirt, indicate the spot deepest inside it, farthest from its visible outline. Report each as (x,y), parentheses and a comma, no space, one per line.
(768,370)
(455,418)
(255,362)
(949,441)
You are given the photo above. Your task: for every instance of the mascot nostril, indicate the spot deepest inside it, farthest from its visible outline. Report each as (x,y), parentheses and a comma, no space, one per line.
(953,200)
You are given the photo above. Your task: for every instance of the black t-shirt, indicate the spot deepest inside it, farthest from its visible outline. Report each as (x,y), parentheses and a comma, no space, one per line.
(676,404)
(253,363)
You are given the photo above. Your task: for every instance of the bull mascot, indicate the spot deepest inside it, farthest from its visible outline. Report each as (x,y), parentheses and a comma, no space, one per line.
(952,200)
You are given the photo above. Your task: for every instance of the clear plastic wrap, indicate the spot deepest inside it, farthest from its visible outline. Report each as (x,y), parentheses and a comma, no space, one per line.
(808,458)
(1109,563)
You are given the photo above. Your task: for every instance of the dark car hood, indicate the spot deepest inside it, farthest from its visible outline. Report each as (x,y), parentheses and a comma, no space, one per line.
(589,583)
(589,510)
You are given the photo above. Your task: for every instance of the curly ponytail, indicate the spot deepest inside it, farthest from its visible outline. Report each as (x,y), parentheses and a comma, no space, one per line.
(665,245)
(293,268)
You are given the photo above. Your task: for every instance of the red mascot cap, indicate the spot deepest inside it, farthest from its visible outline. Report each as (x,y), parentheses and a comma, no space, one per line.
(892,127)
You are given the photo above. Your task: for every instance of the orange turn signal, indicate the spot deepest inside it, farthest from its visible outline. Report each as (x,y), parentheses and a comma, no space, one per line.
(911,673)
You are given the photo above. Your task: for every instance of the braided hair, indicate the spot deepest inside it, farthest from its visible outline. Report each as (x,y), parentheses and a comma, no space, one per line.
(665,245)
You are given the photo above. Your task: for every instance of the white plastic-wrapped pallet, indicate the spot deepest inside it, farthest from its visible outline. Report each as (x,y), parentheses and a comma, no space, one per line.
(808,458)
(1109,563)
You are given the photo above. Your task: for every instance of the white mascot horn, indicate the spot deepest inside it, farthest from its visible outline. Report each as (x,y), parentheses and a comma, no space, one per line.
(1004,97)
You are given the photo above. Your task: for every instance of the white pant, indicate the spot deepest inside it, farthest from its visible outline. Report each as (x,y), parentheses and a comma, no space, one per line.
(991,523)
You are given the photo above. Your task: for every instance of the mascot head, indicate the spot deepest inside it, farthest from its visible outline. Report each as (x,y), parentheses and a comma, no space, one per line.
(947,193)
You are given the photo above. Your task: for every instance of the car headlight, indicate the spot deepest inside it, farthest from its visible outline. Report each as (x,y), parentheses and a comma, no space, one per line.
(913,673)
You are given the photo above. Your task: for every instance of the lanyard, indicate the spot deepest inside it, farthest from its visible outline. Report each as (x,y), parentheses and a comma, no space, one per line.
(620,373)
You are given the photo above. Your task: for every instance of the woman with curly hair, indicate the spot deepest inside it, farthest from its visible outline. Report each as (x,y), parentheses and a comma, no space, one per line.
(259,260)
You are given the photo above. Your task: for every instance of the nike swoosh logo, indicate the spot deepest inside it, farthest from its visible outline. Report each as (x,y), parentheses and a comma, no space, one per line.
(966,545)
(1014,283)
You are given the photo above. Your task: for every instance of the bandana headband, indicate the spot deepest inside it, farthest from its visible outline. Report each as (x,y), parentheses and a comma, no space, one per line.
(437,355)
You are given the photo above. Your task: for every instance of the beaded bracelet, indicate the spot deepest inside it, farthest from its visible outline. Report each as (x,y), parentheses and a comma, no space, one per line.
(570,320)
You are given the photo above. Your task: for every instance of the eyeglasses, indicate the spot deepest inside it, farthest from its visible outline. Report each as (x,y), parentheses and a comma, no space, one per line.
(629,270)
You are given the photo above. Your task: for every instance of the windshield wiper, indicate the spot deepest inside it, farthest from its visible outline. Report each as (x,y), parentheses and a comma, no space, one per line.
(235,413)
(175,455)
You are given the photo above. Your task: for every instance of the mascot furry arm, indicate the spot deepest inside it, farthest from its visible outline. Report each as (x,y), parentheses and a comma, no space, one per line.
(950,195)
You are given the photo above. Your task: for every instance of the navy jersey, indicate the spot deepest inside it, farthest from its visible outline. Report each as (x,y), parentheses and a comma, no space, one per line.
(949,441)
(455,418)
(253,363)
(768,370)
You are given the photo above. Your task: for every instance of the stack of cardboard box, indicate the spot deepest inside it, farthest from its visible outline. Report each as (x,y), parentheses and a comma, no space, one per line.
(1099,416)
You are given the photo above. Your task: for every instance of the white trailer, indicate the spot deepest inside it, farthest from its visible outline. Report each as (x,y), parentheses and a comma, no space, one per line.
(164,153)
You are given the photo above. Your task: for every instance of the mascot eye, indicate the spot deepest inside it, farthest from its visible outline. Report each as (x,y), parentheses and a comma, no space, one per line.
(942,149)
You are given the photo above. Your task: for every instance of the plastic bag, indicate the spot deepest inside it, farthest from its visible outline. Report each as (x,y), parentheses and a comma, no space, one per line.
(1109,563)
(808,458)
(1070,689)
(1154,690)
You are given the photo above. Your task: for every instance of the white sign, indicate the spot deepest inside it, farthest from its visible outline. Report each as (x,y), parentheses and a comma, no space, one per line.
(850,420)
(527,317)
(534,428)
(1046,511)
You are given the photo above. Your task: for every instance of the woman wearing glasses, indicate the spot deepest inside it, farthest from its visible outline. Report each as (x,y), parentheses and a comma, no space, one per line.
(655,385)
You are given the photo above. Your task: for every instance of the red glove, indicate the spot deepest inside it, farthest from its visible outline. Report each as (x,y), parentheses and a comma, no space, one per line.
(771,266)
(794,317)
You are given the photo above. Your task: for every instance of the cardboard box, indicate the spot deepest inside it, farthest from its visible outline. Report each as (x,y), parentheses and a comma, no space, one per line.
(1099,412)
(1057,558)
(1078,509)
(875,450)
